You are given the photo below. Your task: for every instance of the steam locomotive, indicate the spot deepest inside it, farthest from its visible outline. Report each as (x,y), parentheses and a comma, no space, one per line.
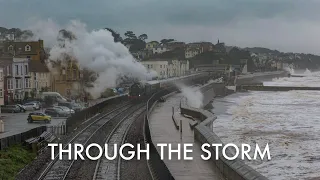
(140,91)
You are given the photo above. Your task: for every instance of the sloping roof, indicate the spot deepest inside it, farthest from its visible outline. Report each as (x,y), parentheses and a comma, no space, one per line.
(37,66)
(19,47)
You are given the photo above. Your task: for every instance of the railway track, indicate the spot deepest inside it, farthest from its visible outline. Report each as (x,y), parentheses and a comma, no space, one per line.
(111,169)
(59,169)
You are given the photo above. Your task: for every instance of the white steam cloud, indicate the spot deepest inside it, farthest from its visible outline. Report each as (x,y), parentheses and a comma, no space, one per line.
(193,95)
(94,50)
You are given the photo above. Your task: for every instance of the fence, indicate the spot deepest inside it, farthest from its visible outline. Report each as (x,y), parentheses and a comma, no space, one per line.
(59,129)
(21,137)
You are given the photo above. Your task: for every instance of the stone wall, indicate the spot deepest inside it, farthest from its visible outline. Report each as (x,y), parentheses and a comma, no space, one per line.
(235,169)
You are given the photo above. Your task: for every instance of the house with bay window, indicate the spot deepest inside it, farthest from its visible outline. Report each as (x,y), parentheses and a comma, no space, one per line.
(18,84)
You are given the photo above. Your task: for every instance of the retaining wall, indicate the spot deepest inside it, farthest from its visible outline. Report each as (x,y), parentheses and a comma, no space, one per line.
(259,77)
(235,169)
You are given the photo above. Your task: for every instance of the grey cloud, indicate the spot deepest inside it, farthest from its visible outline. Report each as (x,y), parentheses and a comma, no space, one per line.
(150,12)
(242,22)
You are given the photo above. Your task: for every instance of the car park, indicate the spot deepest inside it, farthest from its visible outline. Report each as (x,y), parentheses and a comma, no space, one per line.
(31,106)
(38,116)
(10,109)
(56,112)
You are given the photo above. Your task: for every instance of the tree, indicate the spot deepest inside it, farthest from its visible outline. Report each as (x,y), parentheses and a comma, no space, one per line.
(130,35)
(166,41)
(65,35)
(143,37)
(116,36)
(26,34)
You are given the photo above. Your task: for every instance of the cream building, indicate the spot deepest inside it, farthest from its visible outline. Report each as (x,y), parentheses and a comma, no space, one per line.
(40,77)
(167,68)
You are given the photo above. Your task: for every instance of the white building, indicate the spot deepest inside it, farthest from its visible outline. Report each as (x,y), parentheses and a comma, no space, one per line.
(167,68)
(18,78)
(191,52)
(159,50)
(1,87)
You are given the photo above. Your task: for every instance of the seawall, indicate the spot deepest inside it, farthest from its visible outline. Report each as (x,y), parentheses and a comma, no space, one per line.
(235,169)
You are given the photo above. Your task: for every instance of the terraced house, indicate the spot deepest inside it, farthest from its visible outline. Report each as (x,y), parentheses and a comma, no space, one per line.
(40,78)
(17,80)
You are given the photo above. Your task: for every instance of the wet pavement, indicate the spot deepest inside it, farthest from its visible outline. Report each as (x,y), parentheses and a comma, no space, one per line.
(15,123)
(163,131)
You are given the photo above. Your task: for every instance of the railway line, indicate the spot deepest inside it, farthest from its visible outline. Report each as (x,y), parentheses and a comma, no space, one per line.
(59,169)
(110,169)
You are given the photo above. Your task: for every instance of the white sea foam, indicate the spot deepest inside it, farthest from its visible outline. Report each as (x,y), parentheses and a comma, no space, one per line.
(288,121)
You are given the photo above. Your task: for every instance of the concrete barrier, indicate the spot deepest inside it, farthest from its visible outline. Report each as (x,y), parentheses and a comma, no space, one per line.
(235,169)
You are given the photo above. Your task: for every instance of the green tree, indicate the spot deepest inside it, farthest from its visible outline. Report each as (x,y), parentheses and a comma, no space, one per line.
(166,41)
(116,36)
(143,37)
(130,35)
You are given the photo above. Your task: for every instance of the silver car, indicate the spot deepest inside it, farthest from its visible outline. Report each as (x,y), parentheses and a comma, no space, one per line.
(66,109)
(31,106)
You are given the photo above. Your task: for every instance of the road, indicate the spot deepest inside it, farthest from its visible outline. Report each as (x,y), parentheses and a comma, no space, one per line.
(15,123)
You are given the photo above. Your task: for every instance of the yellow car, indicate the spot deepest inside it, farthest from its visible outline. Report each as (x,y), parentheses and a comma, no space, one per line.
(38,116)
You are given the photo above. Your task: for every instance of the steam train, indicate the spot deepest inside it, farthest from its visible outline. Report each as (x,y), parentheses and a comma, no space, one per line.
(139,91)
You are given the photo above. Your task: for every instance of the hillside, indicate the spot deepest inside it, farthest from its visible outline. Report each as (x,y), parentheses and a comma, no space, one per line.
(260,50)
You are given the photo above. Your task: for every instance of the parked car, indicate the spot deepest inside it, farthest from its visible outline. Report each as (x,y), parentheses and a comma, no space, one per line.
(74,106)
(22,108)
(56,112)
(38,116)
(10,109)
(31,106)
(66,109)
(38,103)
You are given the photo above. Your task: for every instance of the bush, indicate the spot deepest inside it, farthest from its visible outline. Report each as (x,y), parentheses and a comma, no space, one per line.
(12,160)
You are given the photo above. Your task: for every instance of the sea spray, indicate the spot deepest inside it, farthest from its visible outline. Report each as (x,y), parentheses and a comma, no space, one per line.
(193,95)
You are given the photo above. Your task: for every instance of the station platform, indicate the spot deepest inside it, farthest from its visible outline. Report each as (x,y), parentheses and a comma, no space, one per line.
(163,130)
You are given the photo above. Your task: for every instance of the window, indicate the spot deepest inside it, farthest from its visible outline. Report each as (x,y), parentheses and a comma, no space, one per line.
(21,70)
(26,69)
(27,83)
(27,48)
(1,92)
(9,84)
(1,75)
(10,48)
(160,66)
(17,84)
(17,70)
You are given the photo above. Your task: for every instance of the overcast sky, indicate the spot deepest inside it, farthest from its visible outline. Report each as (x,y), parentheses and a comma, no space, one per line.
(286,25)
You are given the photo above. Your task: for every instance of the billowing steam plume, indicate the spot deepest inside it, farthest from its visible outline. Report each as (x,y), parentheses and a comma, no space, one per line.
(94,50)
